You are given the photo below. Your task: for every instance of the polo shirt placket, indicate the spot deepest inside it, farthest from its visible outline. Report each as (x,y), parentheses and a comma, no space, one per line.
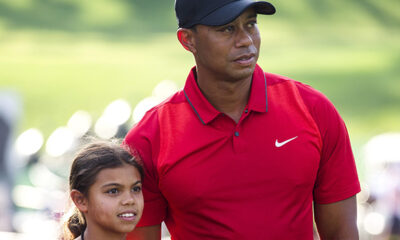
(258,103)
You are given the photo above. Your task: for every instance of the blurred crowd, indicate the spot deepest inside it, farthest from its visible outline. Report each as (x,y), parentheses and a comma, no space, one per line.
(34,170)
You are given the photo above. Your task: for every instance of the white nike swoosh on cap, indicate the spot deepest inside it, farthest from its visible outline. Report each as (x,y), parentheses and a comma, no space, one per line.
(280,144)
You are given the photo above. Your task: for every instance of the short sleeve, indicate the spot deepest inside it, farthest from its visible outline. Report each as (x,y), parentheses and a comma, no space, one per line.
(143,140)
(337,177)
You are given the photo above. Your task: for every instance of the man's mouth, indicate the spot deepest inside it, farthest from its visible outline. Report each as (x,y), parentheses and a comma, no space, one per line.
(246,59)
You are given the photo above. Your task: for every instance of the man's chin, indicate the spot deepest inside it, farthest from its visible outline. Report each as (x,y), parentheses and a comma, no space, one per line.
(243,72)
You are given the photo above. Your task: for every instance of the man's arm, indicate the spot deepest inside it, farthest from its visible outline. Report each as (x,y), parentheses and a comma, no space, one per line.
(337,220)
(146,233)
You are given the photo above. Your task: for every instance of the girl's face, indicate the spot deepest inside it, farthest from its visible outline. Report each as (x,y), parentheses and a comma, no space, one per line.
(115,201)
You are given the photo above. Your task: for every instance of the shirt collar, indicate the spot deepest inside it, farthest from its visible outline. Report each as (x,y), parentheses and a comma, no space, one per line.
(206,112)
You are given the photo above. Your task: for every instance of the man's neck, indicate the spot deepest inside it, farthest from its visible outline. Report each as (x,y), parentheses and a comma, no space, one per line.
(229,97)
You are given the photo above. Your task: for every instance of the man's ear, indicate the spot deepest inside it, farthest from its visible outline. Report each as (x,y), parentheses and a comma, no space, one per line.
(79,200)
(185,37)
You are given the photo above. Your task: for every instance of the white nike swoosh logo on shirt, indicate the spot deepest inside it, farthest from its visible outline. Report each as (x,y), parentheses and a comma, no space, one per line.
(280,144)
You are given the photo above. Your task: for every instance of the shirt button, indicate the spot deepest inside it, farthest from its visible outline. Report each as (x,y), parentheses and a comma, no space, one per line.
(246,111)
(237,134)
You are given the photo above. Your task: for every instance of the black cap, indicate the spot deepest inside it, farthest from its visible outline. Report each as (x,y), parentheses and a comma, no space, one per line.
(216,12)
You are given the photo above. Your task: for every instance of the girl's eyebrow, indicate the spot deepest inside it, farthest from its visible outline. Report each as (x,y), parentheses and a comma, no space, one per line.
(137,182)
(118,185)
(111,184)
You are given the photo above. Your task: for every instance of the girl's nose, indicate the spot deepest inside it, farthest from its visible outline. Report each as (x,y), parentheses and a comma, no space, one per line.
(128,199)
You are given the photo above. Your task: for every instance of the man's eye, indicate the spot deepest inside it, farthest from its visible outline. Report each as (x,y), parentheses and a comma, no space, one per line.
(136,189)
(227,29)
(113,191)
(252,24)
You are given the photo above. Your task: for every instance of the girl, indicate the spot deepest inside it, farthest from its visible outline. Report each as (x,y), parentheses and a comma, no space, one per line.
(106,188)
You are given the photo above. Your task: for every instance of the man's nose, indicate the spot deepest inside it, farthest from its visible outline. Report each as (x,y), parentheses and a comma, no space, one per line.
(243,38)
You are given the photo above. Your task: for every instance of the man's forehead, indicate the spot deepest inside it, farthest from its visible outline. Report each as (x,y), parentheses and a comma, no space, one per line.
(248,13)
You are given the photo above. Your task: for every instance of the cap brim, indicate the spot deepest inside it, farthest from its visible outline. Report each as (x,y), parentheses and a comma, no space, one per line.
(231,11)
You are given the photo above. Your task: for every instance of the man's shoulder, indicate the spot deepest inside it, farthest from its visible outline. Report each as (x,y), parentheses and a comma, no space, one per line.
(149,121)
(273,78)
(309,94)
(315,101)
(176,98)
(146,132)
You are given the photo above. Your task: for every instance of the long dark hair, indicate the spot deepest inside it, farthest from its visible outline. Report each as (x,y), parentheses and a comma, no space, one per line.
(86,165)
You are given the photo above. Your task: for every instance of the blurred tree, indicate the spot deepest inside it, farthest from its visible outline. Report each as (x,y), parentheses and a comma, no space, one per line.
(40,14)
(156,15)
(385,12)
(131,16)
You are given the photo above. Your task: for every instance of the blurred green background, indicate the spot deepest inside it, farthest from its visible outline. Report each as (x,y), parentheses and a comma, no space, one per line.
(66,55)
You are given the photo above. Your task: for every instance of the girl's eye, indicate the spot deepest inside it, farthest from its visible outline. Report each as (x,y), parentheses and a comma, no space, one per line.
(136,189)
(113,191)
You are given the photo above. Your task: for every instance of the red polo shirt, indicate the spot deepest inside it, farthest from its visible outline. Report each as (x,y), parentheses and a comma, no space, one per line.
(210,178)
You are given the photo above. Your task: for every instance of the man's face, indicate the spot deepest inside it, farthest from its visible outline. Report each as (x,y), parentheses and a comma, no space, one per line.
(230,51)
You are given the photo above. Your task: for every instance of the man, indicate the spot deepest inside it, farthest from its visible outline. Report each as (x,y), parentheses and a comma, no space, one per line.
(240,153)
